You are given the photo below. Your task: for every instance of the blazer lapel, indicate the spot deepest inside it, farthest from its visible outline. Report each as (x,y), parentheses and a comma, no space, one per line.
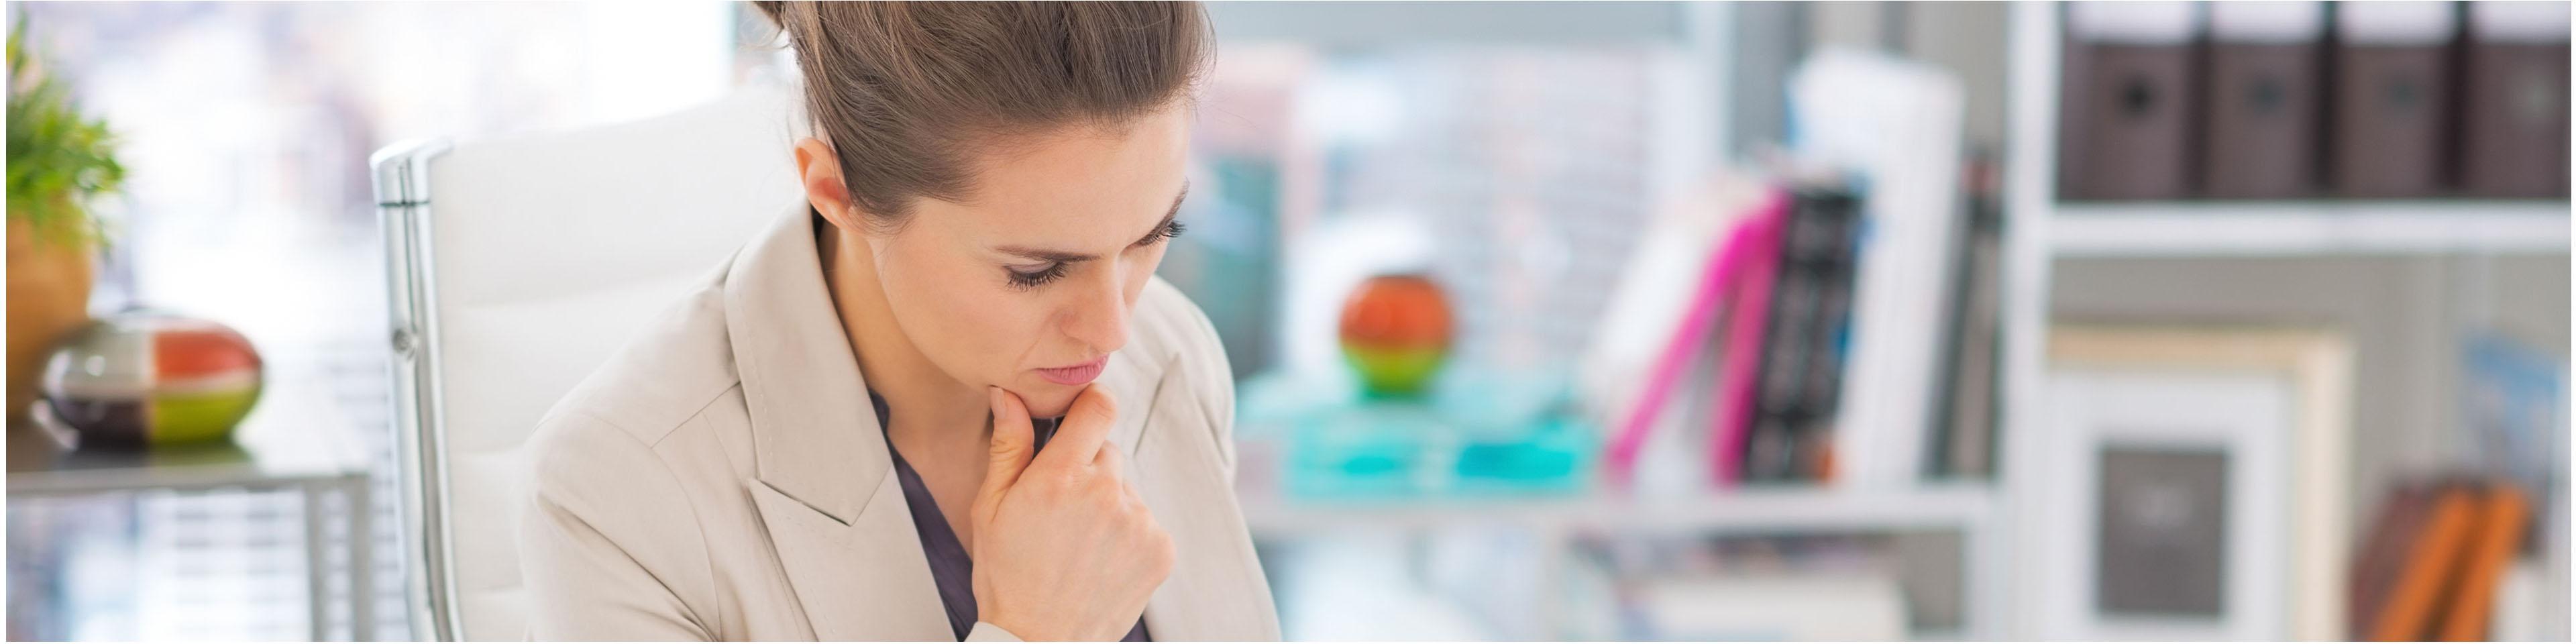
(825,487)
(865,580)
(1217,592)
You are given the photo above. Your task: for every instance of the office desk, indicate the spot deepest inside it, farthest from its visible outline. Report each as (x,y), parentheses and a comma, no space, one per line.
(287,444)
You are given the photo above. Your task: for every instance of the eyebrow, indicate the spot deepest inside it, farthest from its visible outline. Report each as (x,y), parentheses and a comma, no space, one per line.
(1068,257)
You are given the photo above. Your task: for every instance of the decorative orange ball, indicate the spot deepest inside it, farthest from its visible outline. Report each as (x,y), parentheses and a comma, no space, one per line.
(1395,331)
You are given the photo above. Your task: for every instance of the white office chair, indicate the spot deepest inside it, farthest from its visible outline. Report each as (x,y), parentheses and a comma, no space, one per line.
(517,266)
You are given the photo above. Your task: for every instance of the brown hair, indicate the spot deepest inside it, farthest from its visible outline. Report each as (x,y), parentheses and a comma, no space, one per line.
(907,92)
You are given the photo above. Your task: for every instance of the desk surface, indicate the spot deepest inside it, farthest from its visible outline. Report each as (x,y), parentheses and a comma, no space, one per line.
(294,435)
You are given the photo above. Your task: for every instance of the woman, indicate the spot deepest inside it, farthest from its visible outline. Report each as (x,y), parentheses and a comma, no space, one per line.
(947,399)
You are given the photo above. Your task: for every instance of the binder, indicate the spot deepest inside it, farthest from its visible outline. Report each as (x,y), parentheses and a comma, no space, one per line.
(2382,556)
(2496,536)
(2407,610)
(1896,125)
(1747,346)
(1969,407)
(1794,388)
(2514,119)
(1749,242)
(2128,97)
(2391,98)
(2260,138)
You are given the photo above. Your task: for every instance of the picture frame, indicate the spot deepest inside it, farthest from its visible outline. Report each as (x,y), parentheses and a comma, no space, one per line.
(2197,484)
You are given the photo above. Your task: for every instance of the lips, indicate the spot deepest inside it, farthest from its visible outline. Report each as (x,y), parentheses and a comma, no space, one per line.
(1075,374)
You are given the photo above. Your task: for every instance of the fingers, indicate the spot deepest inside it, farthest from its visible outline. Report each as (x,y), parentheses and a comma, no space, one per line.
(1013,440)
(1111,468)
(1110,462)
(1127,488)
(1084,429)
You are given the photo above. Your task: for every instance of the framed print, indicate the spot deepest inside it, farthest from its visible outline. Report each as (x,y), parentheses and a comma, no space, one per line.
(2191,485)
(2160,532)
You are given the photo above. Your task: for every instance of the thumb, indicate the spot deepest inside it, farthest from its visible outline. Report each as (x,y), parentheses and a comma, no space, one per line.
(1013,442)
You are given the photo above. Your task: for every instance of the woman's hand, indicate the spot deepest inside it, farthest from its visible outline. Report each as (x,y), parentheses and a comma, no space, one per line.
(1064,549)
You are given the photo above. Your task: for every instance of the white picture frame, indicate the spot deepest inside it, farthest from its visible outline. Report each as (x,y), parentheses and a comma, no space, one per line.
(2272,404)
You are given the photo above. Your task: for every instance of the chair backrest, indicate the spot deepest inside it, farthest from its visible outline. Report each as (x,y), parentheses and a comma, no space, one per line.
(516,267)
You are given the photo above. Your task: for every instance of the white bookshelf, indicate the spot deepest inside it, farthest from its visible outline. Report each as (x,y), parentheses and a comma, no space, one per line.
(2306,228)
(2043,230)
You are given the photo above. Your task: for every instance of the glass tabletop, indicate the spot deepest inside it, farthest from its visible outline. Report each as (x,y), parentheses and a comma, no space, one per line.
(293,435)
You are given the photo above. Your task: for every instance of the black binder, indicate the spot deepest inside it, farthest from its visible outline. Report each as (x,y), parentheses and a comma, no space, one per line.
(2392,96)
(2128,99)
(2514,119)
(1800,375)
(2262,110)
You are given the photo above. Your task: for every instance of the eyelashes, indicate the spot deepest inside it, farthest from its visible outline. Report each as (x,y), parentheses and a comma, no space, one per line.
(1032,279)
(1025,280)
(1169,230)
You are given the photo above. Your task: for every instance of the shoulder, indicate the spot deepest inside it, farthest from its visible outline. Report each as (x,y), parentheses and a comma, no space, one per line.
(680,364)
(610,521)
(670,392)
(634,458)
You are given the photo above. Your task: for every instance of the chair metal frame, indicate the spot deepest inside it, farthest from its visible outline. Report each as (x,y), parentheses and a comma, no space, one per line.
(403,212)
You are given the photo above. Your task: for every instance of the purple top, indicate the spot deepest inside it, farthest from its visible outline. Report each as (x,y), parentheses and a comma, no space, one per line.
(949,565)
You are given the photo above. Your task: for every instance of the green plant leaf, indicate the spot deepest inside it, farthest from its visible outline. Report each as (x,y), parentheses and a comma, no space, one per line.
(59,159)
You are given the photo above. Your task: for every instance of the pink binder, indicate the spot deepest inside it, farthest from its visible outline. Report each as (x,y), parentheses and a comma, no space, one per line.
(1739,375)
(1724,273)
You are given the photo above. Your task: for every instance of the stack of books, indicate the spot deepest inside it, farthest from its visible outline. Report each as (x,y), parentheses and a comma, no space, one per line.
(2431,565)
(1852,309)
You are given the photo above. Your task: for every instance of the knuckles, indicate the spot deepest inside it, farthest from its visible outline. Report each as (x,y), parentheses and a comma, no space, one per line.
(1160,555)
(1105,500)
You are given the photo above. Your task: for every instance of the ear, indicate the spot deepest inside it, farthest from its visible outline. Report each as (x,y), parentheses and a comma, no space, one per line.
(818,169)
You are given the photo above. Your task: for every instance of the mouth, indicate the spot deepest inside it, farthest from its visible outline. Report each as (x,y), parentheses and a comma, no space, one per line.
(1075,374)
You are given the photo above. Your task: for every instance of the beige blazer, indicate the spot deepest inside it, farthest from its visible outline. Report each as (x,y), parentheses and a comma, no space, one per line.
(724,476)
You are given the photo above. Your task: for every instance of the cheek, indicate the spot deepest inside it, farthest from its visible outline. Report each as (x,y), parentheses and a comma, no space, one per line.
(961,321)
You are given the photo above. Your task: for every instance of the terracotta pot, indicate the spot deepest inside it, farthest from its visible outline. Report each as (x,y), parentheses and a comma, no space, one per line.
(49,282)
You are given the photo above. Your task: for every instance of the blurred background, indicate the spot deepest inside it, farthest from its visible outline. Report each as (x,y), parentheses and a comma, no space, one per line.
(1549,320)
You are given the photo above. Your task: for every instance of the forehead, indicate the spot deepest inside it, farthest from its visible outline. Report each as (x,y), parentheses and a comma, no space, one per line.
(1082,188)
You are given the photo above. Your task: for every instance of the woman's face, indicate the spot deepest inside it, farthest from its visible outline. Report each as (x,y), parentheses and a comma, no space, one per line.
(1027,285)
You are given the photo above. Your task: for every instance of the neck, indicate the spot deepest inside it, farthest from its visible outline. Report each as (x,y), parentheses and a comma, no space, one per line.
(934,409)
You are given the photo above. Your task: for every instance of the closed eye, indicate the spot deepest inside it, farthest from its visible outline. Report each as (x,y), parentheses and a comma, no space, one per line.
(1168,230)
(1028,279)
(1170,227)
(1058,263)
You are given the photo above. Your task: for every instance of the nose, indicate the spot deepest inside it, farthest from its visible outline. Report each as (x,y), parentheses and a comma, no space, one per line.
(1097,317)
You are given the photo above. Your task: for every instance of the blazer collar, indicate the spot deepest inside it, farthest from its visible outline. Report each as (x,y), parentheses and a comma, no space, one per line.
(826,492)
(813,432)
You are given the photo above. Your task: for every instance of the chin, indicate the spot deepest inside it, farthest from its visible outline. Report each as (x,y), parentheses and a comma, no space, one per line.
(1048,400)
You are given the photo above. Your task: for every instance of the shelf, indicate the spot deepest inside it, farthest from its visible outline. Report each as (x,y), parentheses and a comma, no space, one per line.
(2306,228)
(1961,507)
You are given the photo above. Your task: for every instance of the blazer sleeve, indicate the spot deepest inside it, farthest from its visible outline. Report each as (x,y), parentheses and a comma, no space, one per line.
(608,546)
(986,632)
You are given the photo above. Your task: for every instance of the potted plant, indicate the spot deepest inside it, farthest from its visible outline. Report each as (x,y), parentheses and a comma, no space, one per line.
(59,162)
